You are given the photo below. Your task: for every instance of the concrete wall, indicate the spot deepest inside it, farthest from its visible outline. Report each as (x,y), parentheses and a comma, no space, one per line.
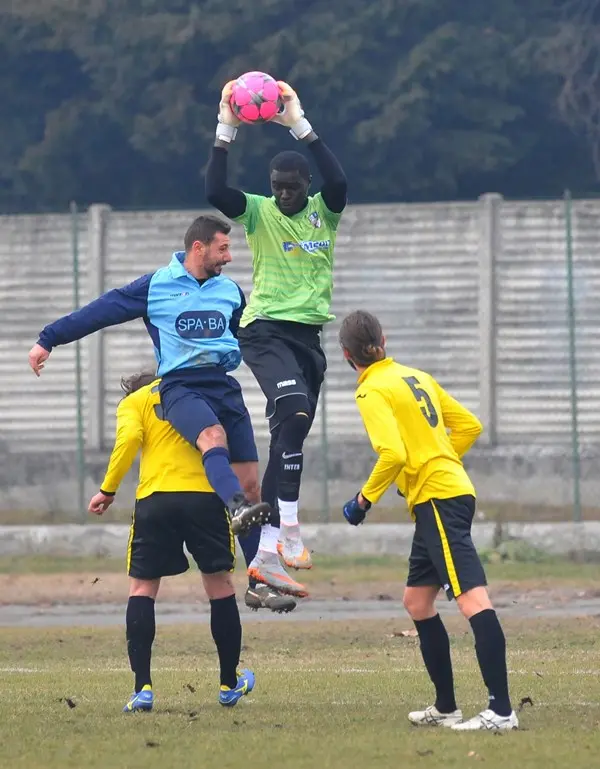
(473,292)
(332,539)
(524,476)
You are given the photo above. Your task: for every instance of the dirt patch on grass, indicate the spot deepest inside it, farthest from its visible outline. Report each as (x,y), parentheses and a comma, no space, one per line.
(87,588)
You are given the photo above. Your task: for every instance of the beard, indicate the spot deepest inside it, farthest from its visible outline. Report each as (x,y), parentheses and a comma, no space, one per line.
(213,270)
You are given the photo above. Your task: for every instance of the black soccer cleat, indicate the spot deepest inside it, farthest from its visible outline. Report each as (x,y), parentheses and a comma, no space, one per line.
(245,515)
(265,597)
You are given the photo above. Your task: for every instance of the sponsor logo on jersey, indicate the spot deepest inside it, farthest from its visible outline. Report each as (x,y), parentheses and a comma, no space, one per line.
(306,245)
(285,383)
(314,219)
(201,324)
(181,293)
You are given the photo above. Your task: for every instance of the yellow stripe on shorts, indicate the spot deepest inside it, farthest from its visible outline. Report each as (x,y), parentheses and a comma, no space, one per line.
(231,539)
(450,568)
(130,540)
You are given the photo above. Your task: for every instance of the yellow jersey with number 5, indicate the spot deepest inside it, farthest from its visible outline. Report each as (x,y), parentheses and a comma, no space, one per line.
(167,462)
(418,431)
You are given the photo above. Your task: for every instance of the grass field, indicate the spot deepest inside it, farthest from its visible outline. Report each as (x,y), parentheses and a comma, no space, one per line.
(328,694)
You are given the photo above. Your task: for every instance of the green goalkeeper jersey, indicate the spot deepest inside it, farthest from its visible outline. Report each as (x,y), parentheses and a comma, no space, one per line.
(292,260)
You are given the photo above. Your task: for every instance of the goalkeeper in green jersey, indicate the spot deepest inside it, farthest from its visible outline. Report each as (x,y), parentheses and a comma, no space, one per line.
(292,238)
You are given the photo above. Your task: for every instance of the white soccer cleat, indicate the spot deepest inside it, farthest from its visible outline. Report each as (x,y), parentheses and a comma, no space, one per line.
(291,548)
(431,716)
(489,721)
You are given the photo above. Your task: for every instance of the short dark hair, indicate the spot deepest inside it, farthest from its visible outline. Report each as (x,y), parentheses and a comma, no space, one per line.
(134,382)
(204,229)
(291,161)
(362,336)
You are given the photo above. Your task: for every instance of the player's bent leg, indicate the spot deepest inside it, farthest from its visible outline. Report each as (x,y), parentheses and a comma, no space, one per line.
(212,442)
(191,415)
(419,602)
(266,576)
(226,629)
(490,648)
(140,633)
(293,431)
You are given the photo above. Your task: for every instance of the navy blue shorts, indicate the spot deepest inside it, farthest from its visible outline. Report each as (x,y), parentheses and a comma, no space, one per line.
(194,399)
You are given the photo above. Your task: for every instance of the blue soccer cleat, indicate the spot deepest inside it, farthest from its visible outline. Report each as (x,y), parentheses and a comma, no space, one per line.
(143,700)
(245,683)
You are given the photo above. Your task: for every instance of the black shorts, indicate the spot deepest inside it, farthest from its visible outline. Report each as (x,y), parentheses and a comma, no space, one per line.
(288,363)
(443,552)
(166,520)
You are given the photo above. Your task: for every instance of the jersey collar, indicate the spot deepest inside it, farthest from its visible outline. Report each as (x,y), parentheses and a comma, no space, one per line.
(176,265)
(381,364)
(178,270)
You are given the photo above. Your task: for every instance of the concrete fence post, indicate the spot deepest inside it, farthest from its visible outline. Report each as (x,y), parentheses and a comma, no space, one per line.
(98,217)
(489,246)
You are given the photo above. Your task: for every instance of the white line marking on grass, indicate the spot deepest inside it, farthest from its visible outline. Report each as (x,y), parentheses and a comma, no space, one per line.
(291,670)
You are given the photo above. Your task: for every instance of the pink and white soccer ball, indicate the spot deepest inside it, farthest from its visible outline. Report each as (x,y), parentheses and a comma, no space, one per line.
(255,97)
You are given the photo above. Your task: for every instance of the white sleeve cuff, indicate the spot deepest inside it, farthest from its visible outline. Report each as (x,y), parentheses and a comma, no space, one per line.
(226,133)
(301,129)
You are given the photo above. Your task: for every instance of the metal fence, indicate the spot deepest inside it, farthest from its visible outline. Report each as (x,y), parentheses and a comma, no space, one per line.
(497,299)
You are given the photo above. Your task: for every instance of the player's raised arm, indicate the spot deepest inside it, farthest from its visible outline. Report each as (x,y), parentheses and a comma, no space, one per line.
(228,200)
(335,187)
(464,426)
(110,309)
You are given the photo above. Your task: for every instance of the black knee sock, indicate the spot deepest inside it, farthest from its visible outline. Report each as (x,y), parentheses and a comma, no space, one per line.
(490,647)
(249,544)
(294,430)
(141,629)
(435,648)
(268,491)
(226,630)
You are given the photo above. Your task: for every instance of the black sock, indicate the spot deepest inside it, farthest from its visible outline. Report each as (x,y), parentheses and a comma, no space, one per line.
(435,648)
(490,647)
(249,544)
(226,630)
(294,430)
(141,629)
(268,490)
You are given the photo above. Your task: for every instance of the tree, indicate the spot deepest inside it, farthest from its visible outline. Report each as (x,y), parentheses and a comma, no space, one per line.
(572,52)
(421,99)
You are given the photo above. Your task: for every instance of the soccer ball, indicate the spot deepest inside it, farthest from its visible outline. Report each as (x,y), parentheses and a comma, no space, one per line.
(255,98)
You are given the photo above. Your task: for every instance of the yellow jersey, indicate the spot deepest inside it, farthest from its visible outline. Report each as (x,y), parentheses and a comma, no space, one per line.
(418,431)
(168,462)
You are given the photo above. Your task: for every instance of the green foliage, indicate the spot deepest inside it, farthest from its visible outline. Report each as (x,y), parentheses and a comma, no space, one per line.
(421,99)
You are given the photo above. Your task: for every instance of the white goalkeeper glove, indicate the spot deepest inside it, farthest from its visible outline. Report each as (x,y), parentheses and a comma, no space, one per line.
(292,114)
(228,123)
